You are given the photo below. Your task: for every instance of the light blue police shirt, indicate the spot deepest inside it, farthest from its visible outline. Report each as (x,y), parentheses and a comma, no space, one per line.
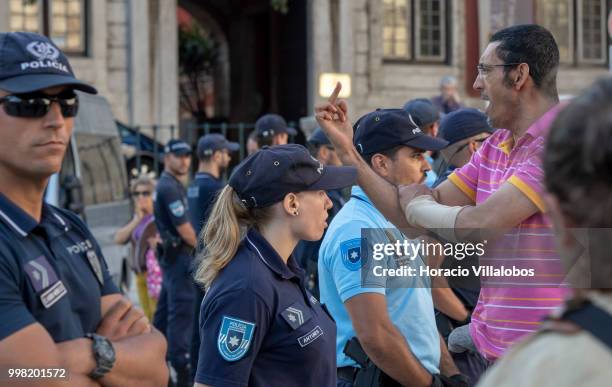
(430,176)
(340,278)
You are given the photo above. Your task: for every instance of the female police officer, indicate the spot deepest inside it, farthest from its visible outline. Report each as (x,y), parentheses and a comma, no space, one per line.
(258,323)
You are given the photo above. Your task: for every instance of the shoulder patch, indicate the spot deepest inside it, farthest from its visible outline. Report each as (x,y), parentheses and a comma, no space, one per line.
(177,208)
(351,254)
(234,338)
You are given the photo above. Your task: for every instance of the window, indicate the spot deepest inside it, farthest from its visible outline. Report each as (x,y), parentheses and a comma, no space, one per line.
(558,17)
(25,16)
(591,31)
(62,20)
(579,27)
(415,30)
(430,29)
(395,31)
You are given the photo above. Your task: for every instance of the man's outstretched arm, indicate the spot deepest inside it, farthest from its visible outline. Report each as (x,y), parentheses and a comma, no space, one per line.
(332,116)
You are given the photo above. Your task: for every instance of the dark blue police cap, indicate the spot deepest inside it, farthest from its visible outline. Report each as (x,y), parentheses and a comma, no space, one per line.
(422,111)
(462,124)
(318,137)
(177,147)
(31,62)
(271,124)
(266,176)
(385,129)
(212,142)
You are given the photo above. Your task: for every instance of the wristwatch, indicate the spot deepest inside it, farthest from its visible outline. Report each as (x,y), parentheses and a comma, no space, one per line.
(104,353)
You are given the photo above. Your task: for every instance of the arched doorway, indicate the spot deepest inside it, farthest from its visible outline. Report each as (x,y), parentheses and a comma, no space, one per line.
(262,57)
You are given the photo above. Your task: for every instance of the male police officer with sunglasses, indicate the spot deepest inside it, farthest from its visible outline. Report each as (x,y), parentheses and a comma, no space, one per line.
(60,311)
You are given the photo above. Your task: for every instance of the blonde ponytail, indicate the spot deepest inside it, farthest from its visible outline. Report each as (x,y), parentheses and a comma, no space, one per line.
(225,228)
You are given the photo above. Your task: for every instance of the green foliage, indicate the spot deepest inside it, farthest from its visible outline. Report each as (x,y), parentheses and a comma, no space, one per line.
(281,6)
(197,51)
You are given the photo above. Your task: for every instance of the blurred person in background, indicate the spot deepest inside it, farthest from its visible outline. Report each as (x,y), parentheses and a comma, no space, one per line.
(465,130)
(427,118)
(174,314)
(214,156)
(272,129)
(448,100)
(251,145)
(141,233)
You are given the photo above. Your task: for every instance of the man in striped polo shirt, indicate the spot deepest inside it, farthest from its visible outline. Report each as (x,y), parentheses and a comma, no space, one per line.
(500,188)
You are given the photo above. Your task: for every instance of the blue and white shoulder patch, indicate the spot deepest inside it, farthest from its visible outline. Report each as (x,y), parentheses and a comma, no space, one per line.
(351,254)
(234,338)
(177,208)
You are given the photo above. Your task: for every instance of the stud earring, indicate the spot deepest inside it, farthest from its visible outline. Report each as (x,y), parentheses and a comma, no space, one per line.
(295,213)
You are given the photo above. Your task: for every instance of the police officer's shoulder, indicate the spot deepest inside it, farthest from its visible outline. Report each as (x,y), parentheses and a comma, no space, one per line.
(343,234)
(9,254)
(245,272)
(164,186)
(351,216)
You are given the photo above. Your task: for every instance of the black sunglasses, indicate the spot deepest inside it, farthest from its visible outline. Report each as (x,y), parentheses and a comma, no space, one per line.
(141,193)
(37,104)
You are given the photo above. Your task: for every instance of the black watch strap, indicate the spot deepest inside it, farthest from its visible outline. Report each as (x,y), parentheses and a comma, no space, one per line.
(104,354)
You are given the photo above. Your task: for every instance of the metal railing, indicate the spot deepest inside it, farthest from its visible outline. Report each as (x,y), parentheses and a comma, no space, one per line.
(236,132)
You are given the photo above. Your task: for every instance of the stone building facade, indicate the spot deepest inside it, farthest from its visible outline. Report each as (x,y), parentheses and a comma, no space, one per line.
(393,50)
(352,36)
(125,48)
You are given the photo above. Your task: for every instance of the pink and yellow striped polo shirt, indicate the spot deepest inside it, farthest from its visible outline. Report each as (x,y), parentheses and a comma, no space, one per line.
(507,309)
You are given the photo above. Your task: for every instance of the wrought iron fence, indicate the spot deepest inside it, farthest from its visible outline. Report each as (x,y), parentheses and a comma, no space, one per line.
(145,139)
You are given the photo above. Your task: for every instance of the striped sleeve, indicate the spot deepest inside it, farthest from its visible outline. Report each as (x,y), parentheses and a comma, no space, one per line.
(529,178)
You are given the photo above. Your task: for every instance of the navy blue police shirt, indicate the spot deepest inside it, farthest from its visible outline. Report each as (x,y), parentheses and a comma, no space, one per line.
(261,327)
(170,205)
(201,195)
(51,272)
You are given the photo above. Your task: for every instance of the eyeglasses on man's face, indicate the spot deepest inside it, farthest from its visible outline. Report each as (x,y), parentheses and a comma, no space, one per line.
(485,68)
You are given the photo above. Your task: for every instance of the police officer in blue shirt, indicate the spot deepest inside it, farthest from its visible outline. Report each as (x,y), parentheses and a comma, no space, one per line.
(174,314)
(392,317)
(58,305)
(258,323)
(214,156)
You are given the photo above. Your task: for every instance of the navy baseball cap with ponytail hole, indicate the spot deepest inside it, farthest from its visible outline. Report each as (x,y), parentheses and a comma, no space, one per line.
(266,176)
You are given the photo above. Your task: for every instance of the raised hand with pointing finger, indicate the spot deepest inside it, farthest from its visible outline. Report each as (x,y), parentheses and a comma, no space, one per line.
(332,116)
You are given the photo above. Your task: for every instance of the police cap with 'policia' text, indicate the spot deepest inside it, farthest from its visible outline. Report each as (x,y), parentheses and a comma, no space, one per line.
(31,62)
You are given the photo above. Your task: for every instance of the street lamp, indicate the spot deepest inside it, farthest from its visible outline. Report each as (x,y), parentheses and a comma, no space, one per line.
(327,83)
